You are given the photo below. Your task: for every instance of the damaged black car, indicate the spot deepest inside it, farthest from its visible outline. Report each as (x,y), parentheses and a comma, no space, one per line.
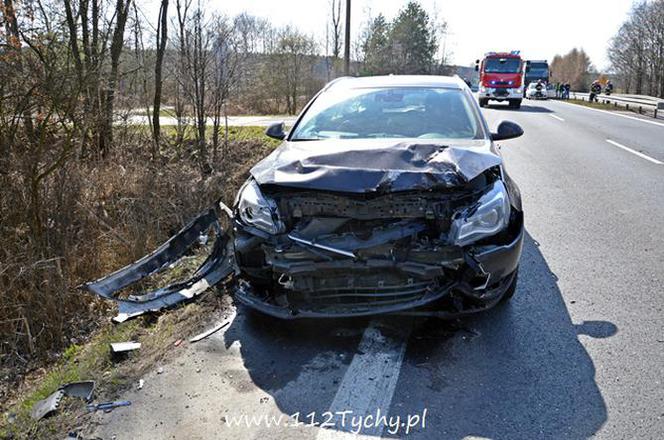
(387,195)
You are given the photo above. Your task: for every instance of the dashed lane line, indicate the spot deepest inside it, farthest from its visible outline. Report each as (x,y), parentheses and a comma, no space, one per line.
(370,380)
(638,153)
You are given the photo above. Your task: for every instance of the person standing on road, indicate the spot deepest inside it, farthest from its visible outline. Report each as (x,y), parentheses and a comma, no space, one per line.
(595,89)
(609,87)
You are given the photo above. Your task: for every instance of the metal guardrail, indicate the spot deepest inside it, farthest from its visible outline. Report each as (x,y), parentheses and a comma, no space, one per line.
(641,106)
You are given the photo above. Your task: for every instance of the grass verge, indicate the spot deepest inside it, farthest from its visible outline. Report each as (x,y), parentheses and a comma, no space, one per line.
(598,105)
(92,360)
(610,107)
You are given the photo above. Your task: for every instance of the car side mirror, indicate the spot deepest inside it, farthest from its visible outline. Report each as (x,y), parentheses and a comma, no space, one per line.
(507,130)
(276,131)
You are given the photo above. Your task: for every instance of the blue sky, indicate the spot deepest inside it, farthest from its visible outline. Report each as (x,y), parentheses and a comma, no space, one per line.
(538,29)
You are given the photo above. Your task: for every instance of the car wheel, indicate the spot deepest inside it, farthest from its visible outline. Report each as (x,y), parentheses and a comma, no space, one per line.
(515,104)
(511,289)
(483,102)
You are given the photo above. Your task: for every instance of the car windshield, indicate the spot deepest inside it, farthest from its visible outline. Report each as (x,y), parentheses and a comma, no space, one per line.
(502,65)
(539,70)
(397,112)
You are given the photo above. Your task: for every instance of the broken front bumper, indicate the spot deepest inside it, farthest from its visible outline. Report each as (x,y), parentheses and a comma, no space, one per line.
(469,280)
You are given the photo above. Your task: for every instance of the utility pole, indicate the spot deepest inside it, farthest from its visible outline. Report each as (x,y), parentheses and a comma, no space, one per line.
(347,41)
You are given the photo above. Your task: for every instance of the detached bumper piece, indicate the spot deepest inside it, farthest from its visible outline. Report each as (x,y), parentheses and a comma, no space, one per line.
(217,266)
(83,390)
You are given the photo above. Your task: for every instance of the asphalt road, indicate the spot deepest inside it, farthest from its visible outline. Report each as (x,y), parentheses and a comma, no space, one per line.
(578,353)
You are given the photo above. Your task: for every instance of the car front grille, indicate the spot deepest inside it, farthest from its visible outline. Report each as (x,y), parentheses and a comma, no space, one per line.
(354,298)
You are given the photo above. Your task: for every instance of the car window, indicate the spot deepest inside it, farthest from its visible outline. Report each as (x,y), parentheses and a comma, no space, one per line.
(398,112)
(539,69)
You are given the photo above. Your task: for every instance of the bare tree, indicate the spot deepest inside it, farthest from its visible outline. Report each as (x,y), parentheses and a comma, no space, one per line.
(289,65)
(39,114)
(225,65)
(573,68)
(636,52)
(347,40)
(194,44)
(336,29)
(335,6)
(162,39)
(117,44)
(11,24)
(85,24)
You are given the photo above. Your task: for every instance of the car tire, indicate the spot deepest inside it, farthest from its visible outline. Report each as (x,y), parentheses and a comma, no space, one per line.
(511,289)
(515,104)
(483,102)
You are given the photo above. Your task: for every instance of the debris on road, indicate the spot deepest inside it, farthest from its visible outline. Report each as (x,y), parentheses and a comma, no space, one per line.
(209,332)
(177,343)
(141,382)
(83,390)
(123,347)
(47,406)
(160,370)
(107,406)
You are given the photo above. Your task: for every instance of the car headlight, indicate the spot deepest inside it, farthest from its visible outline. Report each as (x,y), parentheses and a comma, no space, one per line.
(256,210)
(487,217)
(519,90)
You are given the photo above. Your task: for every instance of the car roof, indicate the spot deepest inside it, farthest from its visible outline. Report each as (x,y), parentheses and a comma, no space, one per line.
(348,82)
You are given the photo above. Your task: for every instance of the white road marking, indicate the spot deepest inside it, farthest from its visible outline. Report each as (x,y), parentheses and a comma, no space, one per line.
(370,380)
(557,117)
(615,114)
(638,153)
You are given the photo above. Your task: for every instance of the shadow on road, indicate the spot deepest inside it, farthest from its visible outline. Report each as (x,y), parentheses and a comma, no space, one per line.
(516,372)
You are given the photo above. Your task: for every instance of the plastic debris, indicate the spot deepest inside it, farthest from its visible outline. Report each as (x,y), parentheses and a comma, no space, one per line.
(107,406)
(123,347)
(83,390)
(209,332)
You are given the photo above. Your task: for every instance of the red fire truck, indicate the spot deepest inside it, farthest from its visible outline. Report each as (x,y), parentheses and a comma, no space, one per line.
(501,76)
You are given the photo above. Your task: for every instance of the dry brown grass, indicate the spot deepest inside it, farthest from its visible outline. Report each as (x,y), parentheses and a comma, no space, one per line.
(96,216)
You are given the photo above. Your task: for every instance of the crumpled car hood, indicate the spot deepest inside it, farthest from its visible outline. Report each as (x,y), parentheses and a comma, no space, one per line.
(362,166)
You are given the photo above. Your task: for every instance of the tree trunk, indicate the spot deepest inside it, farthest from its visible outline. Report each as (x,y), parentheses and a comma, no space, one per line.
(106,134)
(162,36)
